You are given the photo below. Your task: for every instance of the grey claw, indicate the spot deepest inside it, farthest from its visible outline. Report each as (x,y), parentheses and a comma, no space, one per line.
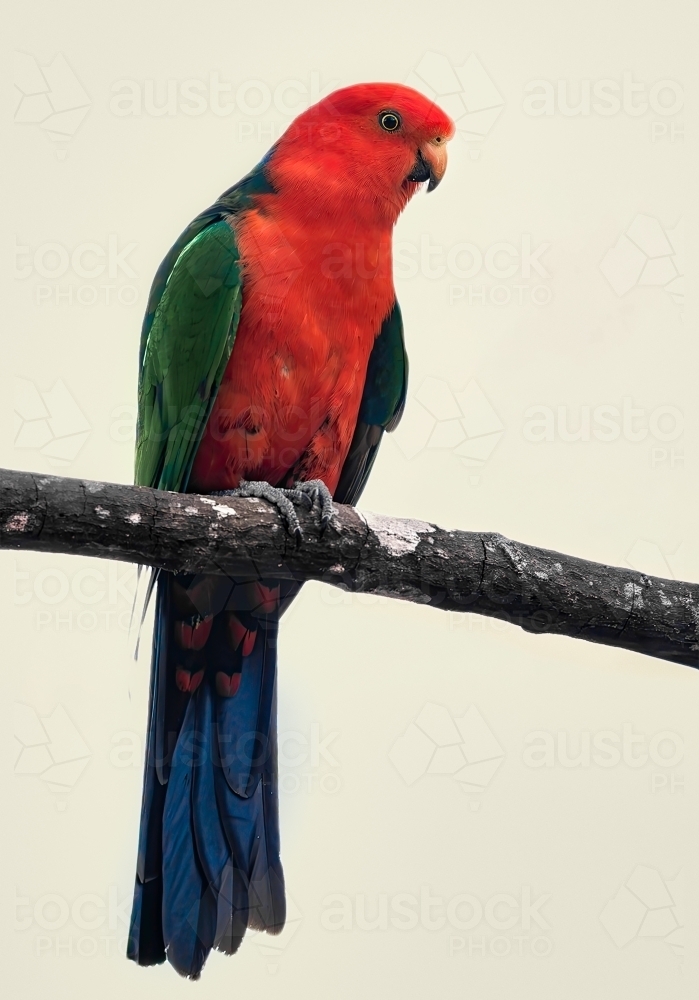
(277,497)
(309,494)
(315,492)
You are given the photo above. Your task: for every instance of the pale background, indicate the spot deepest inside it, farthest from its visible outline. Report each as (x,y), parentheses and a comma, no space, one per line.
(365,817)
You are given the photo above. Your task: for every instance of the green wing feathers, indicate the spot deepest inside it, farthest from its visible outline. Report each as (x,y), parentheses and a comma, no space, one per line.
(383,402)
(188,345)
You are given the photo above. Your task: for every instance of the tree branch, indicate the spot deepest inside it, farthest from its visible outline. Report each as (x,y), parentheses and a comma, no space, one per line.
(483,573)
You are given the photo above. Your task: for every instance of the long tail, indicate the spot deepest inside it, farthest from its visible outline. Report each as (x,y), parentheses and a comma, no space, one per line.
(208,857)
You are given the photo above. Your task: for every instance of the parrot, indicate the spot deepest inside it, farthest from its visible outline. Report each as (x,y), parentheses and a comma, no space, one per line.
(272,361)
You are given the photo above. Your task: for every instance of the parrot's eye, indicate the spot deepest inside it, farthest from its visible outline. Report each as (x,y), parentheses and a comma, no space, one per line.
(389,121)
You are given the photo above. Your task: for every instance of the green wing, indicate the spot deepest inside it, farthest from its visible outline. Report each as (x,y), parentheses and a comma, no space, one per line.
(186,347)
(383,401)
(187,336)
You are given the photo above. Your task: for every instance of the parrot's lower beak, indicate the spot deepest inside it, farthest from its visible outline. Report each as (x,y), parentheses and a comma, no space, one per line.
(430,164)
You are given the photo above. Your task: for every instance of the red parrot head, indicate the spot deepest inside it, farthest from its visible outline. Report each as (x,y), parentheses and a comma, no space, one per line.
(368,147)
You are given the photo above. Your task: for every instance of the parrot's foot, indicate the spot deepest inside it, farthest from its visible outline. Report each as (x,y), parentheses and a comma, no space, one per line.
(313,494)
(277,497)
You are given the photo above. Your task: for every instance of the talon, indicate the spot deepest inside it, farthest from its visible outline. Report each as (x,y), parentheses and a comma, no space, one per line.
(316,492)
(227,686)
(188,682)
(298,496)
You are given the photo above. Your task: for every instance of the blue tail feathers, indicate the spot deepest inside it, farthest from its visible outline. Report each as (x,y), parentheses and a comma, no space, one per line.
(208,858)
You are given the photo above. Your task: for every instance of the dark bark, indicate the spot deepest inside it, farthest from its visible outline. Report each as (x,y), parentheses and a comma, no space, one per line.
(483,573)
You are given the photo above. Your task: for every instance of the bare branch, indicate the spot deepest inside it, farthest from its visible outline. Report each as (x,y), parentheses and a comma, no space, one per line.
(482,573)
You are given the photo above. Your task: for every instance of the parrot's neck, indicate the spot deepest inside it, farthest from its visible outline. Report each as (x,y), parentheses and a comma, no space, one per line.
(313,187)
(337,258)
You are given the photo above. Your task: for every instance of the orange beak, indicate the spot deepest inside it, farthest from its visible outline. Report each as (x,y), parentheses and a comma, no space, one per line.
(435,156)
